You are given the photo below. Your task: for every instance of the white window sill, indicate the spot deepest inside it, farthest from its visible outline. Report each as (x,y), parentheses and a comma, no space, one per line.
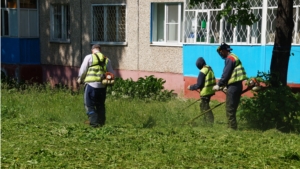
(110,43)
(166,44)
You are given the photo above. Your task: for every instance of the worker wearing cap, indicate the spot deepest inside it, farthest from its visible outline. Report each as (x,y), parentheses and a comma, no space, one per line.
(205,82)
(92,72)
(232,77)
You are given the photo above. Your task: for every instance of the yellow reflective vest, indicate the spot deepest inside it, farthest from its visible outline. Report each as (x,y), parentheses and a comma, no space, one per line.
(238,73)
(210,81)
(97,70)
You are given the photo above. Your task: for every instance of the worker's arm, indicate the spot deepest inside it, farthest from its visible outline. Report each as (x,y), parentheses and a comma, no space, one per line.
(84,67)
(200,82)
(227,71)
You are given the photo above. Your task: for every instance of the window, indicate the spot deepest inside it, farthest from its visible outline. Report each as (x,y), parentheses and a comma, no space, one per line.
(25,18)
(166,22)
(296,18)
(9,18)
(109,23)
(60,23)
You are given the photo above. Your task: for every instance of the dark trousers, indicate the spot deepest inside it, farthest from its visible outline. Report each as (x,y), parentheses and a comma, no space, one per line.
(233,96)
(204,106)
(94,102)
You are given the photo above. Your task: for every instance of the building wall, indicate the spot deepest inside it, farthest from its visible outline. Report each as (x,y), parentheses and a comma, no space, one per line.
(136,59)
(53,53)
(254,58)
(156,58)
(138,54)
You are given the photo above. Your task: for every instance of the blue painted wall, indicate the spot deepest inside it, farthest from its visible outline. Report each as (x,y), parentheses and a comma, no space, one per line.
(20,51)
(254,59)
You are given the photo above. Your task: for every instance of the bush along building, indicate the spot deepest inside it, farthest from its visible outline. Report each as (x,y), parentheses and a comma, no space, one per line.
(46,40)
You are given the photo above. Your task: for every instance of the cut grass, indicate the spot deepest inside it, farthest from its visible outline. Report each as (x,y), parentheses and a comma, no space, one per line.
(45,129)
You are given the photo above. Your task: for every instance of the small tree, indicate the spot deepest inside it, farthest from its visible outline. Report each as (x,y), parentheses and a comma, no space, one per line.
(271,107)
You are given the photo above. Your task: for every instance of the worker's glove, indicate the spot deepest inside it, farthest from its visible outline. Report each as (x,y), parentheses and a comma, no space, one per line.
(79,80)
(256,88)
(224,89)
(216,87)
(189,87)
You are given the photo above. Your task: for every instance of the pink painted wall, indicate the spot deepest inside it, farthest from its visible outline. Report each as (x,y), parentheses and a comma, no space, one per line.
(68,75)
(173,81)
(176,82)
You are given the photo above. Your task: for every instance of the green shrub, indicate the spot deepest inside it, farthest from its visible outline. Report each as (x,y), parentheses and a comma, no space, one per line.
(148,88)
(272,107)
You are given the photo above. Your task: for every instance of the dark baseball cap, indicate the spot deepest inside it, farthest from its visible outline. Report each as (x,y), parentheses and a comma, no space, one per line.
(96,46)
(224,46)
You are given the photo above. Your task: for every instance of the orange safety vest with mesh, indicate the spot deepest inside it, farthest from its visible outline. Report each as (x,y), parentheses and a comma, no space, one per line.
(210,81)
(238,73)
(97,70)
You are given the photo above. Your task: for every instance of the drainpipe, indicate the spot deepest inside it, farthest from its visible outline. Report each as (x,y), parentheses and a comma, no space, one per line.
(17,70)
(80,31)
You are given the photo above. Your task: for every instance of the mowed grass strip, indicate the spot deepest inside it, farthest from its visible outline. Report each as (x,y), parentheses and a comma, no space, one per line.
(45,129)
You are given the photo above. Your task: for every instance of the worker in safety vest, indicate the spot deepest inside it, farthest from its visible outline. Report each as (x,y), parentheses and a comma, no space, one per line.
(232,78)
(205,82)
(92,73)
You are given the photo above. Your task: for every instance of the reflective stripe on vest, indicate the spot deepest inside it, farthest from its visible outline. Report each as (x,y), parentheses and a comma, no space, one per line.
(210,81)
(97,70)
(238,73)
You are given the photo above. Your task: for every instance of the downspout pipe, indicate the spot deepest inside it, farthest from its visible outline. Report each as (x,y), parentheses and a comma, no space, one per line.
(80,31)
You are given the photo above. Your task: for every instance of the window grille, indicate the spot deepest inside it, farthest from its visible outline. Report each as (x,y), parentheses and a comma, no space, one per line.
(272,3)
(255,3)
(217,31)
(202,19)
(255,29)
(109,23)
(204,5)
(228,30)
(60,23)
(271,17)
(214,28)
(296,19)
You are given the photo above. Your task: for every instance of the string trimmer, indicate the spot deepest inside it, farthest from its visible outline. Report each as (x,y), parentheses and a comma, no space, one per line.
(252,83)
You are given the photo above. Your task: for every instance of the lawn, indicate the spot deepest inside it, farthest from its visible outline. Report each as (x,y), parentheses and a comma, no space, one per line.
(44,128)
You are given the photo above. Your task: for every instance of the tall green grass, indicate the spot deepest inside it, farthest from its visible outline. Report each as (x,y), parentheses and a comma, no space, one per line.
(43,127)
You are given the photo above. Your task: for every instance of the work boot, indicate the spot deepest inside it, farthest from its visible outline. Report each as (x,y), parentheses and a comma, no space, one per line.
(232,123)
(93,118)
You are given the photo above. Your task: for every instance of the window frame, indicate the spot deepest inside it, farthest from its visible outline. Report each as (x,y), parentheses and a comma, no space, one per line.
(180,22)
(65,30)
(105,29)
(15,21)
